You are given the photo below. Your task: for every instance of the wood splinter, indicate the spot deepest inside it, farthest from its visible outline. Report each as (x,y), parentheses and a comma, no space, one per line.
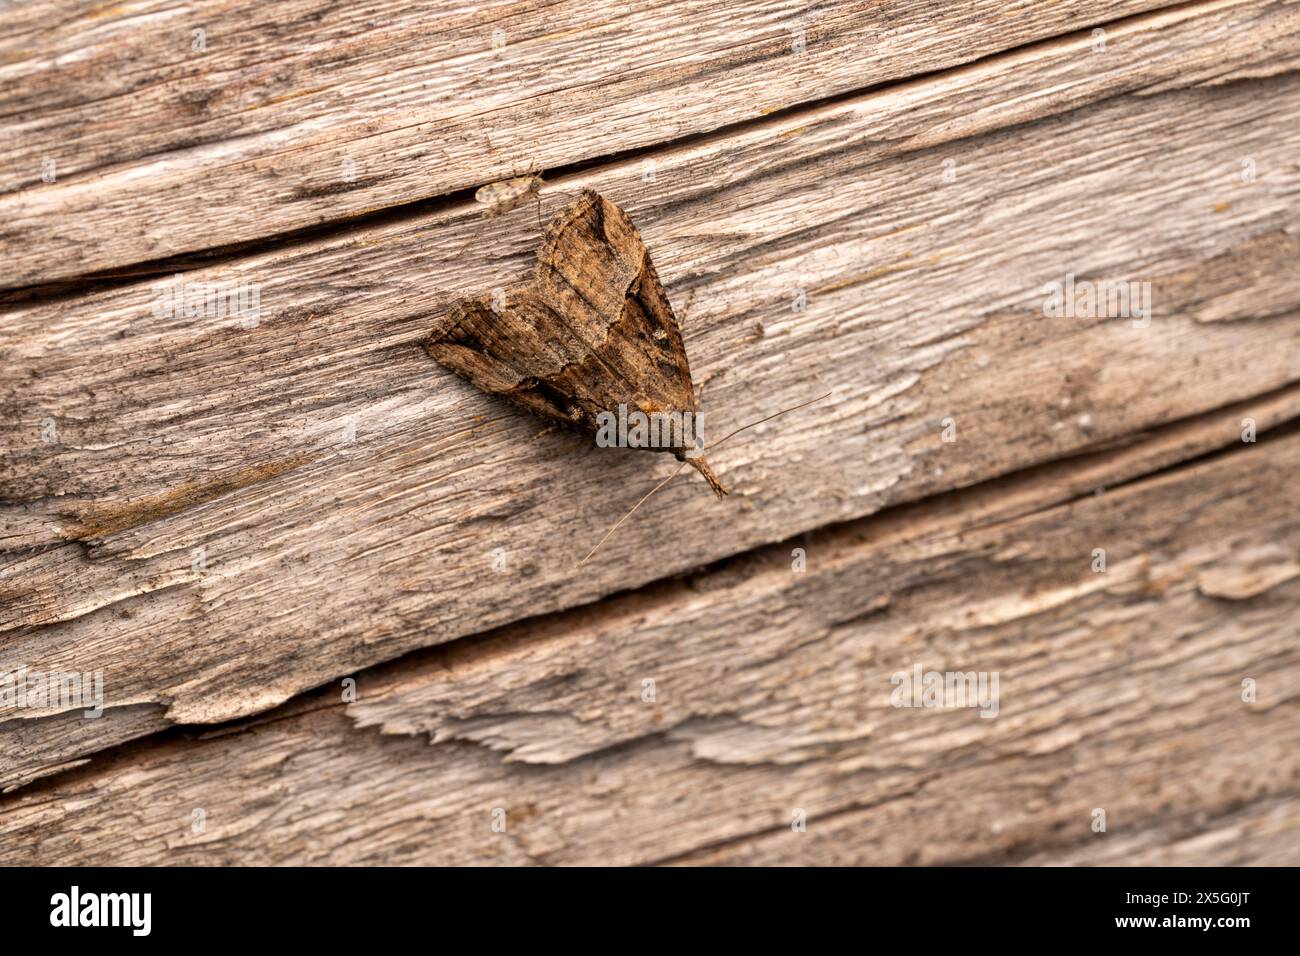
(501,197)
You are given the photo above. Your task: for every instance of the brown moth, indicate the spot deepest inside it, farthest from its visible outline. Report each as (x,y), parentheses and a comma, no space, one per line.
(501,197)
(590,331)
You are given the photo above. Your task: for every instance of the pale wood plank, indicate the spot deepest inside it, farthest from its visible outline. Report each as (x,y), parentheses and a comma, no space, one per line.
(1266,833)
(1119,690)
(37,746)
(323,557)
(161,150)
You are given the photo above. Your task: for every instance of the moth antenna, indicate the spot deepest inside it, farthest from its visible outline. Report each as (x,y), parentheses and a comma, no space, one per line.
(792,408)
(632,509)
(699,465)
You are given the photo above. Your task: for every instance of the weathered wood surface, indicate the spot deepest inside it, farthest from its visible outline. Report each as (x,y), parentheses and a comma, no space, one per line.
(322,556)
(160,149)
(1119,691)
(222,518)
(36,748)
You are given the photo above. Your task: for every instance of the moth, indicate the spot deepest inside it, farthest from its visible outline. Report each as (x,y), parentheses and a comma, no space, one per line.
(589,333)
(590,330)
(505,195)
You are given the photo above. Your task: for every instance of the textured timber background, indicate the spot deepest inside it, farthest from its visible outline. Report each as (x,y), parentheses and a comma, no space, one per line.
(333,590)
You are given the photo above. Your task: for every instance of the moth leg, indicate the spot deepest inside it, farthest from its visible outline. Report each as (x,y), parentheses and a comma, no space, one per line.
(690,299)
(757,333)
(699,388)
(545,431)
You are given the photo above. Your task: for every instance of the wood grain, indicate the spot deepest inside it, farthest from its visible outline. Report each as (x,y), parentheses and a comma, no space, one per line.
(305,112)
(322,555)
(1119,691)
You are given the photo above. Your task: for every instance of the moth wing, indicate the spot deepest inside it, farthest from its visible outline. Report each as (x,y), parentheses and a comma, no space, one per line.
(527,353)
(594,270)
(513,353)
